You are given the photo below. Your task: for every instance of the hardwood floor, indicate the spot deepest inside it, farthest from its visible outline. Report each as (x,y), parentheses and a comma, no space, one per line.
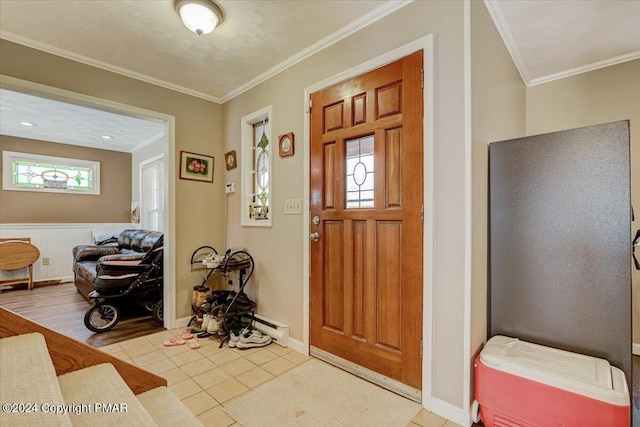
(61,308)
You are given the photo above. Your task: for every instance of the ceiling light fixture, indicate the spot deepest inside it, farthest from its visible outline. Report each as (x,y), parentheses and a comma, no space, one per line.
(106,137)
(200,16)
(27,124)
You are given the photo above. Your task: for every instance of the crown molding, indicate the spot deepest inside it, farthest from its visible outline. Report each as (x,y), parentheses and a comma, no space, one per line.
(501,25)
(147,142)
(362,22)
(586,68)
(378,13)
(499,20)
(103,65)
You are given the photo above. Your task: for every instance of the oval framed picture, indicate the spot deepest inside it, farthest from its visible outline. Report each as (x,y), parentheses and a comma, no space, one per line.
(286,144)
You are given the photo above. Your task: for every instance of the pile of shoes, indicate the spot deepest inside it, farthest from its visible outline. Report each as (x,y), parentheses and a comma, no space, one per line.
(242,305)
(235,262)
(248,338)
(212,260)
(227,262)
(223,311)
(211,325)
(199,295)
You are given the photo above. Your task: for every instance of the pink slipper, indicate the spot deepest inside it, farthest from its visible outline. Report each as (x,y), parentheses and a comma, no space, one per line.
(194,344)
(173,341)
(186,334)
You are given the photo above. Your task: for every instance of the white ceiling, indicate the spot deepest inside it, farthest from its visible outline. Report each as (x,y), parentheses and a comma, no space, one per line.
(66,123)
(258,39)
(552,39)
(147,38)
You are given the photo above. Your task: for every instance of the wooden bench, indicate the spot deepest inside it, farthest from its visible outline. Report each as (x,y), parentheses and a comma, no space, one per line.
(17,253)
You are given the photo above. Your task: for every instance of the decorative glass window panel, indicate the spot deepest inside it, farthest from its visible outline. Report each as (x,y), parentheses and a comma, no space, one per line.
(360,173)
(34,172)
(261,153)
(256,168)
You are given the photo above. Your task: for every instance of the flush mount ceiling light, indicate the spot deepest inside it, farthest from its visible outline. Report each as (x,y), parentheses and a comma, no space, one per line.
(27,124)
(200,16)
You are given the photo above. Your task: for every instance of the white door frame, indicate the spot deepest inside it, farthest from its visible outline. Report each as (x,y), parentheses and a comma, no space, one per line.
(169,295)
(426,45)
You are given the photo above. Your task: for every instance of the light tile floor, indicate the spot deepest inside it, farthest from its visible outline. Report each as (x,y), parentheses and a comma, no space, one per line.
(208,378)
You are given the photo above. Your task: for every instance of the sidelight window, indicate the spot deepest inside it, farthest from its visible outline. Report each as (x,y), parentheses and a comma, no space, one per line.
(257,168)
(261,171)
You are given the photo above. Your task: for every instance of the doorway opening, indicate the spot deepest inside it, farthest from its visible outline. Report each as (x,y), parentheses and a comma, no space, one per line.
(167,124)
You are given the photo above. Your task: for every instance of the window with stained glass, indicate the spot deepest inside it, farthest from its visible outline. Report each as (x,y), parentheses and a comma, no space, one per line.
(32,172)
(360,173)
(261,153)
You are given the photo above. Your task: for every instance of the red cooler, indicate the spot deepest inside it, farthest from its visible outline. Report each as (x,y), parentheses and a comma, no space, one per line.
(520,384)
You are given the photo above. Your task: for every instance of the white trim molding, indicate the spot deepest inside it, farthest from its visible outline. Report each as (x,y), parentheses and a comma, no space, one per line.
(450,412)
(501,25)
(378,13)
(426,44)
(44,47)
(493,6)
(468,214)
(636,349)
(298,346)
(586,68)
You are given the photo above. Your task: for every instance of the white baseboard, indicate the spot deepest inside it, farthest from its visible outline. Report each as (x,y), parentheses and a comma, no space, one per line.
(450,412)
(182,321)
(635,349)
(297,346)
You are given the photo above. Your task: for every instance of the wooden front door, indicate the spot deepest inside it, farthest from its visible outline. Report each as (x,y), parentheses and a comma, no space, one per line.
(366,208)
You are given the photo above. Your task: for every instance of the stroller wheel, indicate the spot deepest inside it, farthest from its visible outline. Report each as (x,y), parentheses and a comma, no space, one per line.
(158,313)
(101,317)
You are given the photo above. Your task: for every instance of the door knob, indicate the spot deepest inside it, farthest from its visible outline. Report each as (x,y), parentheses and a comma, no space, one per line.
(314,236)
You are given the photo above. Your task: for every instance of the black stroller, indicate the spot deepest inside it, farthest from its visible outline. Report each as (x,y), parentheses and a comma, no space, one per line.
(121,278)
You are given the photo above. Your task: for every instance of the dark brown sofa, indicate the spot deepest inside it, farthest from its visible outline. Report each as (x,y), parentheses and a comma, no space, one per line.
(134,243)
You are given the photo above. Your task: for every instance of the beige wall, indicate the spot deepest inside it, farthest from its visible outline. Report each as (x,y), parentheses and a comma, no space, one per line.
(498,113)
(600,96)
(278,250)
(112,205)
(198,128)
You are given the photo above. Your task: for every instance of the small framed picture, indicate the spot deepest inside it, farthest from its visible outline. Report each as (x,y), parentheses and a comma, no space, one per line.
(286,144)
(230,160)
(196,167)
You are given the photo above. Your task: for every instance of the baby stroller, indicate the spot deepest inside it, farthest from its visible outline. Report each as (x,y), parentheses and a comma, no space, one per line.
(121,278)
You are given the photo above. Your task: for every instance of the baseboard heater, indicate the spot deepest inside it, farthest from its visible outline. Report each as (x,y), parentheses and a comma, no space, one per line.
(276,330)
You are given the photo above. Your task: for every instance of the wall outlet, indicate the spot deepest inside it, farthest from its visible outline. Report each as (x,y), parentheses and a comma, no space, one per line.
(293,207)
(45,261)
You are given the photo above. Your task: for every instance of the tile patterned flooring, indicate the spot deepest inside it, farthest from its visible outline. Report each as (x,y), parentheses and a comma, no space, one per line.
(208,378)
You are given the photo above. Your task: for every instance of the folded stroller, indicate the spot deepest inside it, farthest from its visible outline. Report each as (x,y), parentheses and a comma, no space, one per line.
(123,278)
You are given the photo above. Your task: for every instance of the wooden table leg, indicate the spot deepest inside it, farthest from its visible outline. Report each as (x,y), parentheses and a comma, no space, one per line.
(30,276)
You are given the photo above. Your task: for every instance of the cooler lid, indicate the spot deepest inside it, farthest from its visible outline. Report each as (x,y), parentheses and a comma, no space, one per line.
(585,375)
